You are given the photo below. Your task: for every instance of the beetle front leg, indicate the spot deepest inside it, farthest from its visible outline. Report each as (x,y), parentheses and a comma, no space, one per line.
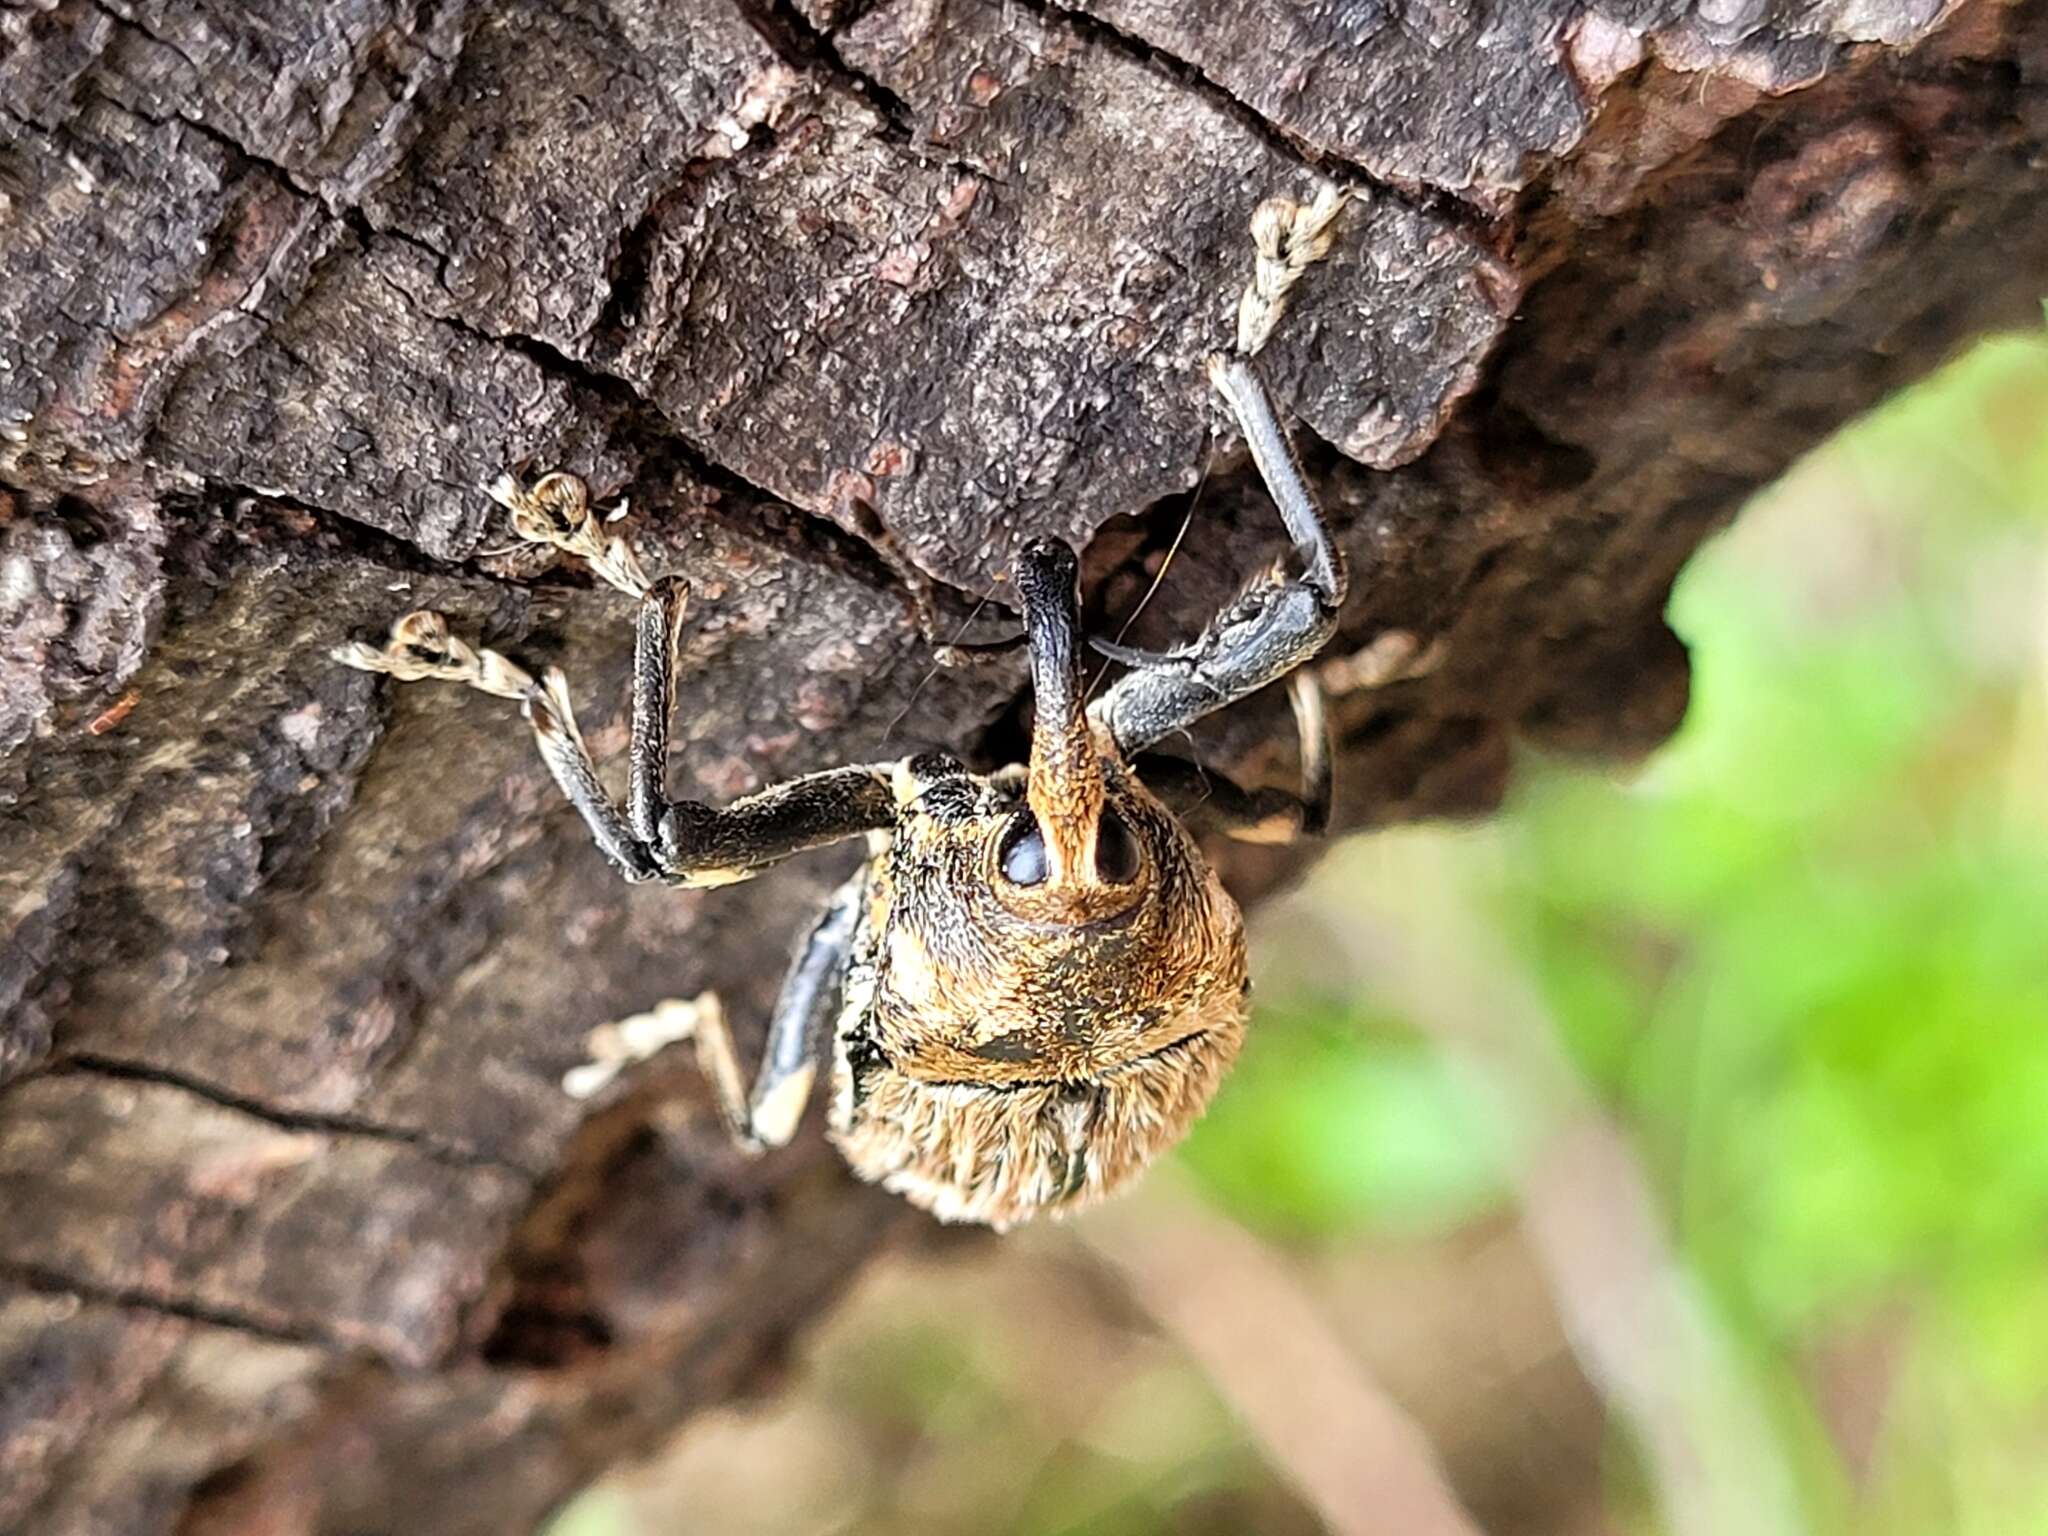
(682,842)
(1276,623)
(687,842)
(1211,801)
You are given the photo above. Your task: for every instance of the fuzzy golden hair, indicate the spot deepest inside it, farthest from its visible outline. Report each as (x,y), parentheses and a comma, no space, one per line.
(1032,1048)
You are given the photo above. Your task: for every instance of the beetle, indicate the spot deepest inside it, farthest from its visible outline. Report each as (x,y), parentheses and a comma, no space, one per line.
(1035,982)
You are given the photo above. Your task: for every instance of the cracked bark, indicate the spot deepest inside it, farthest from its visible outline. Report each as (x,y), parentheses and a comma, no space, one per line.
(297,1231)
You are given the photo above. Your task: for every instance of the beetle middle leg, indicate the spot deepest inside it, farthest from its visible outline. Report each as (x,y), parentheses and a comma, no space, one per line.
(799,1033)
(798,1044)
(799,1030)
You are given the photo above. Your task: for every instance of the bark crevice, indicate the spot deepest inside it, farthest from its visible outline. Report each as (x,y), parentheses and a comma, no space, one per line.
(39,1281)
(454,1154)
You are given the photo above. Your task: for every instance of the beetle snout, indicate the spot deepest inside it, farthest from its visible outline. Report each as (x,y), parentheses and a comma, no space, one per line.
(1065,788)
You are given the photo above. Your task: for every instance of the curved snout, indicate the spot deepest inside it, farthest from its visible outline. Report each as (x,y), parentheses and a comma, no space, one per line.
(1065,789)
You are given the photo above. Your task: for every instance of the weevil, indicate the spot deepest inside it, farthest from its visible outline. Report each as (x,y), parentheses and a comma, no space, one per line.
(1035,982)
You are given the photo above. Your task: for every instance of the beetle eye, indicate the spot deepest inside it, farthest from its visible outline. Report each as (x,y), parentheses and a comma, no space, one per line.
(1116,850)
(1023,852)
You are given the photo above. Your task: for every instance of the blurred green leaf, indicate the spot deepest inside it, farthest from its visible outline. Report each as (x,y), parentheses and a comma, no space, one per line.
(599,1511)
(1806,953)
(1335,1124)
(1803,955)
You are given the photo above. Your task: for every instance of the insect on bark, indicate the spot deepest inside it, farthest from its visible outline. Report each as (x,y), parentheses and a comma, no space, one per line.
(1035,982)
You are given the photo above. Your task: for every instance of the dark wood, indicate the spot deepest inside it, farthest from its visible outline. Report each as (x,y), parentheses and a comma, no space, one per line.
(297,1230)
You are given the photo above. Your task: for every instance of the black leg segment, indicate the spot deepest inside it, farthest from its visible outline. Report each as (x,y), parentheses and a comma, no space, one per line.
(685,842)
(658,631)
(800,1029)
(1211,802)
(1276,623)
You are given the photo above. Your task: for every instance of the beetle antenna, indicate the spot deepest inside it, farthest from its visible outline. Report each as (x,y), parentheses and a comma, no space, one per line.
(1158,576)
(933,670)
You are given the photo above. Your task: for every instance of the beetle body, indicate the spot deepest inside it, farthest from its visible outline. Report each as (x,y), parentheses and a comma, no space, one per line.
(1005,1049)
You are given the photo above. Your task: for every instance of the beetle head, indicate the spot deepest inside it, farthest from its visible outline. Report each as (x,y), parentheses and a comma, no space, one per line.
(1061,977)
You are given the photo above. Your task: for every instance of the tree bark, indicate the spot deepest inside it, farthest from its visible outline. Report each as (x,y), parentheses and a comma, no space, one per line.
(298,1231)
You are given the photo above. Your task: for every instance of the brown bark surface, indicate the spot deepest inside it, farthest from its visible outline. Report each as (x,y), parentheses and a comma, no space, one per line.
(298,1231)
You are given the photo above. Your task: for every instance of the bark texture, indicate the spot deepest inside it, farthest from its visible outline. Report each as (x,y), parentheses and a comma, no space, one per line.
(297,1230)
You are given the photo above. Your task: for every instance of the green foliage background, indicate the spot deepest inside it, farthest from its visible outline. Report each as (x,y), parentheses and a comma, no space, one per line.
(1802,957)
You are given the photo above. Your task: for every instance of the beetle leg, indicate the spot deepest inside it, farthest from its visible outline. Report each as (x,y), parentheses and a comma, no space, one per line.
(1312,732)
(692,844)
(569,760)
(1238,382)
(1211,801)
(556,510)
(682,842)
(1275,624)
(657,643)
(420,647)
(798,1034)
(799,1030)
